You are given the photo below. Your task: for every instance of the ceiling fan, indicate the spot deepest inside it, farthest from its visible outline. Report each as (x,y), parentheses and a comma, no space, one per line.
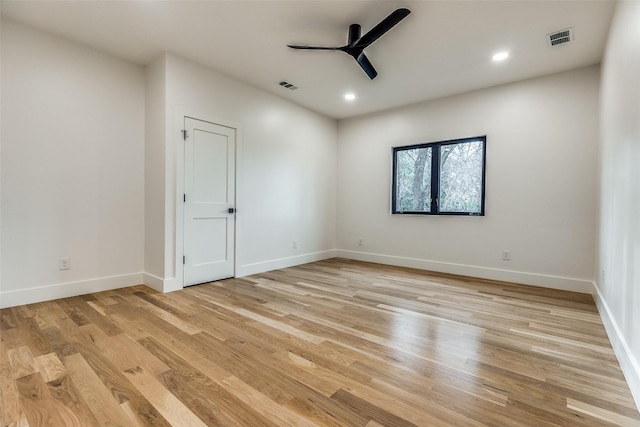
(356,44)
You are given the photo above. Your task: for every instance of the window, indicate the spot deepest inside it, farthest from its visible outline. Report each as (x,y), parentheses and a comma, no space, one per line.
(439,178)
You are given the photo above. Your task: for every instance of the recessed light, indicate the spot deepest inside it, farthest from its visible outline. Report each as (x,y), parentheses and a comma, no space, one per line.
(500,56)
(350,96)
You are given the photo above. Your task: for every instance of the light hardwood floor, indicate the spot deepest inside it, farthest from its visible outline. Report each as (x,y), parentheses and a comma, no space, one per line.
(332,343)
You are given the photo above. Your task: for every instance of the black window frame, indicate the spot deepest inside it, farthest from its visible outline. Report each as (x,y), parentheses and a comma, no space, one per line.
(435,176)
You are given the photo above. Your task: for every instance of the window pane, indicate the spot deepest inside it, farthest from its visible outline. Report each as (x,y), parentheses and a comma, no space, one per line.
(413,180)
(461,177)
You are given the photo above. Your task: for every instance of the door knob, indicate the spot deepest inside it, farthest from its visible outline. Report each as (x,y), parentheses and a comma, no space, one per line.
(231,210)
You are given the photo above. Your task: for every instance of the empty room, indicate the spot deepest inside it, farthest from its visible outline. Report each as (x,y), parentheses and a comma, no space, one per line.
(320,213)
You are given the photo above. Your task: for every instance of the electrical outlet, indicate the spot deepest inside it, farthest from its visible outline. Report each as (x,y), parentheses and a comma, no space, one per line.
(506,255)
(360,241)
(64,263)
(295,244)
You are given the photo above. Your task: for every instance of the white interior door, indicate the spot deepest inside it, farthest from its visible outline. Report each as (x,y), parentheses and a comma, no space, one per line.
(209,202)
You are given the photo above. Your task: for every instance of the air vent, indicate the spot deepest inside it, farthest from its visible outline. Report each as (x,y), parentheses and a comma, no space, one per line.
(560,37)
(288,85)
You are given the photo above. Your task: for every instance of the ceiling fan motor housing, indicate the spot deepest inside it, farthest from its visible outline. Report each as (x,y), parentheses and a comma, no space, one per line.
(354,33)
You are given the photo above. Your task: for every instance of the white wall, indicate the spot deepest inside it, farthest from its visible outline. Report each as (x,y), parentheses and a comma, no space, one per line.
(72,168)
(618,275)
(540,190)
(286,170)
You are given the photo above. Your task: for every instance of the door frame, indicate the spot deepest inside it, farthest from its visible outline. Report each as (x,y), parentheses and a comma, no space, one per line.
(174,256)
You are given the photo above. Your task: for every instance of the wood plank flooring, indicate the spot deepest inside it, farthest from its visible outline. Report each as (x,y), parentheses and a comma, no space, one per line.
(332,343)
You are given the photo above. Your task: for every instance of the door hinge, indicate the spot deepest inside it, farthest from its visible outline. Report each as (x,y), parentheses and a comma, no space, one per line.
(184,260)
(184,197)
(184,134)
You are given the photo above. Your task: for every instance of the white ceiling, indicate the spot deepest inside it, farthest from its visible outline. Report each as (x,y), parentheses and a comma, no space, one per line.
(441,48)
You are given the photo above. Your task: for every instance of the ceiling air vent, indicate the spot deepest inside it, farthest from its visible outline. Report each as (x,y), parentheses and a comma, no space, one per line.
(288,85)
(560,37)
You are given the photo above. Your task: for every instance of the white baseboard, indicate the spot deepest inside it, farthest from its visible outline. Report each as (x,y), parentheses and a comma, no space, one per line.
(545,281)
(162,285)
(154,282)
(172,284)
(628,362)
(64,290)
(275,264)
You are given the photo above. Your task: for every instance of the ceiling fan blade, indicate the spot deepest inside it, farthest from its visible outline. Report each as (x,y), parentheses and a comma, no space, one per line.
(293,46)
(366,66)
(385,25)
